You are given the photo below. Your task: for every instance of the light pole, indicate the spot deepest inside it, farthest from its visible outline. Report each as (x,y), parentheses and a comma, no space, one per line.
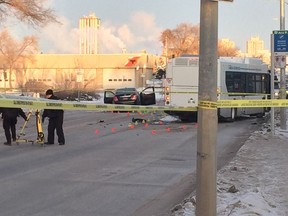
(79,79)
(282,71)
(206,191)
(143,75)
(207,111)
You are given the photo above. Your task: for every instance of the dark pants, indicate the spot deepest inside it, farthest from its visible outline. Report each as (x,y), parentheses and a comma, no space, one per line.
(10,124)
(56,123)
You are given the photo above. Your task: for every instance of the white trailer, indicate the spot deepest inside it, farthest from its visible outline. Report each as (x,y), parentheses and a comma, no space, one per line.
(237,79)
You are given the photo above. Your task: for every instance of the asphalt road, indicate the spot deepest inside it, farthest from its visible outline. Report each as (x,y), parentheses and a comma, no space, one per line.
(106,167)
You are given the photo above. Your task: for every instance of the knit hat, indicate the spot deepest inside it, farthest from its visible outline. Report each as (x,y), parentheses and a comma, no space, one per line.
(49,92)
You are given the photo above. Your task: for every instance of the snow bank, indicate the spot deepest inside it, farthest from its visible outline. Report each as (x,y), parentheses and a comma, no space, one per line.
(255,181)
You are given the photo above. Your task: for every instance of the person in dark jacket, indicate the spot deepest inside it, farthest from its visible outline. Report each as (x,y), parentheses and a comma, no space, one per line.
(9,116)
(55,121)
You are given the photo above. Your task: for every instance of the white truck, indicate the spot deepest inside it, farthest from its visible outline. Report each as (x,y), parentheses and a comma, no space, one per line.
(237,79)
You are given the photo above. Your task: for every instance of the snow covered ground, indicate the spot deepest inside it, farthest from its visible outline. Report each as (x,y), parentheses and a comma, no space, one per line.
(255,182)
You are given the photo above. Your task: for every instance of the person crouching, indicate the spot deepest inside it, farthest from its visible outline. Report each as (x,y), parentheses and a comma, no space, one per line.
(9,116)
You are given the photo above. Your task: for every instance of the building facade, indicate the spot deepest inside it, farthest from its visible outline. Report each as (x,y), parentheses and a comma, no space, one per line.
(89,34)
(90,72)
(254,46)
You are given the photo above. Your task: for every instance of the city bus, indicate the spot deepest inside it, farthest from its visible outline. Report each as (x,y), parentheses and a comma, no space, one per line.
(237,79)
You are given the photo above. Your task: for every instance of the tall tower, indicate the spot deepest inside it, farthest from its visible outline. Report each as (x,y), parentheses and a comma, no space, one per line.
(88,27)
(254,46)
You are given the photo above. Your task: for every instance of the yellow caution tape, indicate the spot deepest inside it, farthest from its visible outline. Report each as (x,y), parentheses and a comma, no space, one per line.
(242,94)
(171,92)
(252,103)
(221,93)
(40,103)
(207,105)
(65,105)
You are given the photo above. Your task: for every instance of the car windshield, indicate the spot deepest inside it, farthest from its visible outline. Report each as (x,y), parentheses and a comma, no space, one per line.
(125,91)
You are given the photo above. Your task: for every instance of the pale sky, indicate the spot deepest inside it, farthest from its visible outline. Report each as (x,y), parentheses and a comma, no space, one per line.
(137,25)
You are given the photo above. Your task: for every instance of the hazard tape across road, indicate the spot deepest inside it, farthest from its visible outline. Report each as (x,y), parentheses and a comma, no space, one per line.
(252,103)
(41,103)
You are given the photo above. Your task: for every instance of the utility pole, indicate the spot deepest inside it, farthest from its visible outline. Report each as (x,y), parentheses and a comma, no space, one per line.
(282,71)
(272,112)
(206,191)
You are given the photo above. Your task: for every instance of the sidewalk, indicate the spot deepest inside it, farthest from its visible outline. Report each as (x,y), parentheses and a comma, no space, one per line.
(255,182)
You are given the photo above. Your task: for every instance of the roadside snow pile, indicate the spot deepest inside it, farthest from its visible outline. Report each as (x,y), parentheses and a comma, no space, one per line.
(259,173)
(255,181)
(248,203)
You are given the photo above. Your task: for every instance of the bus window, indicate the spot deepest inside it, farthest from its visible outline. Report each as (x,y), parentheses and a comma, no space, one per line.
(250,83)
(235,82)
(242,82)
(258,82)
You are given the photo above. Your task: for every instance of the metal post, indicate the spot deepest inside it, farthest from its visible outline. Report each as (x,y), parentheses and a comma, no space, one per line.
(207,112)
(78,91)
(272,113)
(79,79)
(282,71)
(143,75)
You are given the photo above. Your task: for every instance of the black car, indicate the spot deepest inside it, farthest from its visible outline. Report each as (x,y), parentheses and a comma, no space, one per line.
(130,96)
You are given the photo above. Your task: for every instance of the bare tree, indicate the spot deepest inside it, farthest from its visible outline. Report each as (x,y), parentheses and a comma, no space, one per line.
(89,77)
(32,12)
(227,47)
(184,39)
(14,51)
(21,70)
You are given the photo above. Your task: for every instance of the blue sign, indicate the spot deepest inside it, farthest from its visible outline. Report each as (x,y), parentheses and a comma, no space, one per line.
(280,41)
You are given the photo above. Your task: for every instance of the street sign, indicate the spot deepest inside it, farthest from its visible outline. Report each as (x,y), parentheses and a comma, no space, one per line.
(79,75)
(280,61)
(79,78)
(280,42)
